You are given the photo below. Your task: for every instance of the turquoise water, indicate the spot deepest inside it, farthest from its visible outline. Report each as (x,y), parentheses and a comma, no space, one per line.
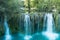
(34,37)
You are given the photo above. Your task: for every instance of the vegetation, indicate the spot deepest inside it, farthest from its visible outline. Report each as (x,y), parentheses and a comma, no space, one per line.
(13,9)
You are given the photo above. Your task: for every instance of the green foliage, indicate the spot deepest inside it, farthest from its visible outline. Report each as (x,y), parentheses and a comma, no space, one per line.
(46,5)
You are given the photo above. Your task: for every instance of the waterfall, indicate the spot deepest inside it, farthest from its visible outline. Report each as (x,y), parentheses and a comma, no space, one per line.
(37,23)
(7,34)
(27,27)
(27,23)
(49,32)
(49,22)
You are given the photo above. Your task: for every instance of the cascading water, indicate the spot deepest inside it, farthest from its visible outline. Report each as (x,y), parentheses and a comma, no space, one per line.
(37,22)
(27,27)
(7,34)
(49,32)
(49,23)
